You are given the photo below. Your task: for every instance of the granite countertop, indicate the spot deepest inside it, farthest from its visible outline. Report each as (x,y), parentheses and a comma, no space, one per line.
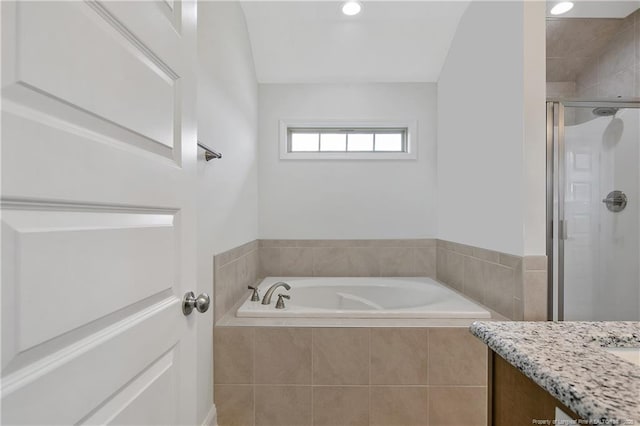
(567,360)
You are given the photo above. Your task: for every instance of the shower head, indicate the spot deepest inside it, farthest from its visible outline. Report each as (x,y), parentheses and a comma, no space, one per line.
(605,111)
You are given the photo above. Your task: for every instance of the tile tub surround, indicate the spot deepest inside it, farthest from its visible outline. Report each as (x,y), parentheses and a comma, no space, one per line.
(234,270)
(348,258)
(567,360)
(355,376)
(511,285)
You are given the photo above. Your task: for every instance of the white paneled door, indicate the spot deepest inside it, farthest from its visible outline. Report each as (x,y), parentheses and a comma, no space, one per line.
(98,219)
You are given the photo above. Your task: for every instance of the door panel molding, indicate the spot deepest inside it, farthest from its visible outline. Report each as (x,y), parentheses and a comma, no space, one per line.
(51,381)
(126,257)
(84,88)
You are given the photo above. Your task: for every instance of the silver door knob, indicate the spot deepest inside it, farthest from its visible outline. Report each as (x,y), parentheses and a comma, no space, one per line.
(190,301)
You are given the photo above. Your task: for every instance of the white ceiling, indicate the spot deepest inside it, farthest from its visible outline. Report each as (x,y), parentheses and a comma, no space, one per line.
(313,42)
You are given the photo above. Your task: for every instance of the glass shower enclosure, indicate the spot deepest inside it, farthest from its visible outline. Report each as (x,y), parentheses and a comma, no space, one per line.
(593,211)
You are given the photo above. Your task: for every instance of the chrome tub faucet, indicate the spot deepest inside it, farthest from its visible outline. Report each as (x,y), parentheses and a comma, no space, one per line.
(266,299)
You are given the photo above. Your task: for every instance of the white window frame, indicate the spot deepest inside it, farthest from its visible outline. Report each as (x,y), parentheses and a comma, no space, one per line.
(411,139)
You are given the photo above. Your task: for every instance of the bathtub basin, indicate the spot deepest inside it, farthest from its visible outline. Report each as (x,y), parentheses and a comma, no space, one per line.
(360,297)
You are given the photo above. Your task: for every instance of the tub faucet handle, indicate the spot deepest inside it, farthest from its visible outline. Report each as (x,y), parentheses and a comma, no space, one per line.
(280,302)
(255,297)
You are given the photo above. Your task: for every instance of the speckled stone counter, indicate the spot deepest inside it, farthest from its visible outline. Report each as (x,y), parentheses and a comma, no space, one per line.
(567,360)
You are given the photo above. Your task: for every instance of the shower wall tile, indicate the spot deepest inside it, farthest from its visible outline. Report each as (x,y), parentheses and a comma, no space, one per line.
(615,70)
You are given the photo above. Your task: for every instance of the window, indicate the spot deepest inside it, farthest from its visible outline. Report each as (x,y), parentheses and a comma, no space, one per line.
(347,140)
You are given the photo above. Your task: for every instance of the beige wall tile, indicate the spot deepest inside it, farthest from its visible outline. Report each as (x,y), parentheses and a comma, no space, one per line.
(456,358)
(233,351)
(620,84)
(484,254)
(330,262)
(399,406)
(283,355)
(441,253)
(565,89)
(341,356)
(509,260)
(341,406)
(220,298)
(363,262)
(518,309)
(225,281)
(474,281)
(397,262)
(283,405)
(425,261)
(499,291)
(619,54)
(425,242)
(234,404)
(399,356)
(277,243)
(454,270)
(457,406)
(462,249)
(517,276)
(243,271)
(535,295)
(296,261)
(270,262)
(535,263)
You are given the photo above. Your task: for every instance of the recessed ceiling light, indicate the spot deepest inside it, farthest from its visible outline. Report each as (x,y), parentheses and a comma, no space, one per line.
(351,8)
(562,7)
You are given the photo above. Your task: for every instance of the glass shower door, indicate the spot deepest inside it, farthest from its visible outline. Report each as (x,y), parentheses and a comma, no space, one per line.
(597,212)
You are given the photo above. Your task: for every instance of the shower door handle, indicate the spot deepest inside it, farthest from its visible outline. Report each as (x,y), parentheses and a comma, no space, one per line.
(562,230)
(616,201)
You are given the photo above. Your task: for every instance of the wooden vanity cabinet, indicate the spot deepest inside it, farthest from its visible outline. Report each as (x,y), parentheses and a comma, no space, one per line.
(516,400)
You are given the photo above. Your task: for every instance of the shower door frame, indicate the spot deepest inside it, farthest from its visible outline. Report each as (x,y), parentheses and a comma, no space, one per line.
(556,180)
